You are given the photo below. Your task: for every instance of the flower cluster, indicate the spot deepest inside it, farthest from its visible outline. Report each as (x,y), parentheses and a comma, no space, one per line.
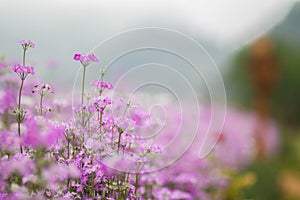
(109,150)
(102,85)
(85,59)
(23,71)
(42,89)
(151,148)
(25,44)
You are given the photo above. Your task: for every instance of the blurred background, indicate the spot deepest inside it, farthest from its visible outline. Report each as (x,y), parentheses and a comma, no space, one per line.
(256,45)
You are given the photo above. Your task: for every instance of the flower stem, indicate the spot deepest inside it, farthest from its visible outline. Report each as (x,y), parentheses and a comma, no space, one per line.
(20,94)
(24,57)
(19,113)
(136,182)
(19,103)
(119,140)
(82,97)
(100,122)
(68,141)
(101,79)
(41,104)
(83,80)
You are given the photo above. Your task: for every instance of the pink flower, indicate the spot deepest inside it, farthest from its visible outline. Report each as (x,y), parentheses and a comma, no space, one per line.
(41,132)
(109,85)
(77,56)
(42,89)
(22,42)
(26,44)
(57,172)
(20,163)
(93,58)
(110,121)
(85,60)
(23,71)
(102,85)
(91,108)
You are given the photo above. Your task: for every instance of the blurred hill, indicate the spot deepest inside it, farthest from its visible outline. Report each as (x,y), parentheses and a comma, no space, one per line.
(289,29)
(286,100)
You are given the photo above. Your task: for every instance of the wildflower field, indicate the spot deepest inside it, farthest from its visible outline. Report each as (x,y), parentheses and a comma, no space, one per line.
(97,146)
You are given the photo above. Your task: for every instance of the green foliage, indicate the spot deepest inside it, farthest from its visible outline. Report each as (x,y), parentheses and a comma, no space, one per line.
(286,98)
(286,102)
(237,82)
(266,186)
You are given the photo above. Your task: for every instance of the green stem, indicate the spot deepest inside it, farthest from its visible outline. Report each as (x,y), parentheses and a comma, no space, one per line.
(68,148)
(119,141)
(136,182)
(19,112)
(73,145)
(19,102)
(100,124)
(41,104)
(93,186)
(24,57)
(83,80)
(82,96)
(101,79)
(127,179)
(20,94)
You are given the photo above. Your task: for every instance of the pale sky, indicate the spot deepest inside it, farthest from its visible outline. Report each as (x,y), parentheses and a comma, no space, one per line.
(62,27)
(224,21)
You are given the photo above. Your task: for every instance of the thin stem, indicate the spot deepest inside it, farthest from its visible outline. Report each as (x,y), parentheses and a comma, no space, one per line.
(73,145)
(101,79)
(136,182)
(24,57)
(19,112)
(93,186)
(82,96)
(19,131)
(119,141)
(68,183)
(68,142)
(20,94)
(19,102)
(100,122)
(127,179)
(41,104)
(83,80)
